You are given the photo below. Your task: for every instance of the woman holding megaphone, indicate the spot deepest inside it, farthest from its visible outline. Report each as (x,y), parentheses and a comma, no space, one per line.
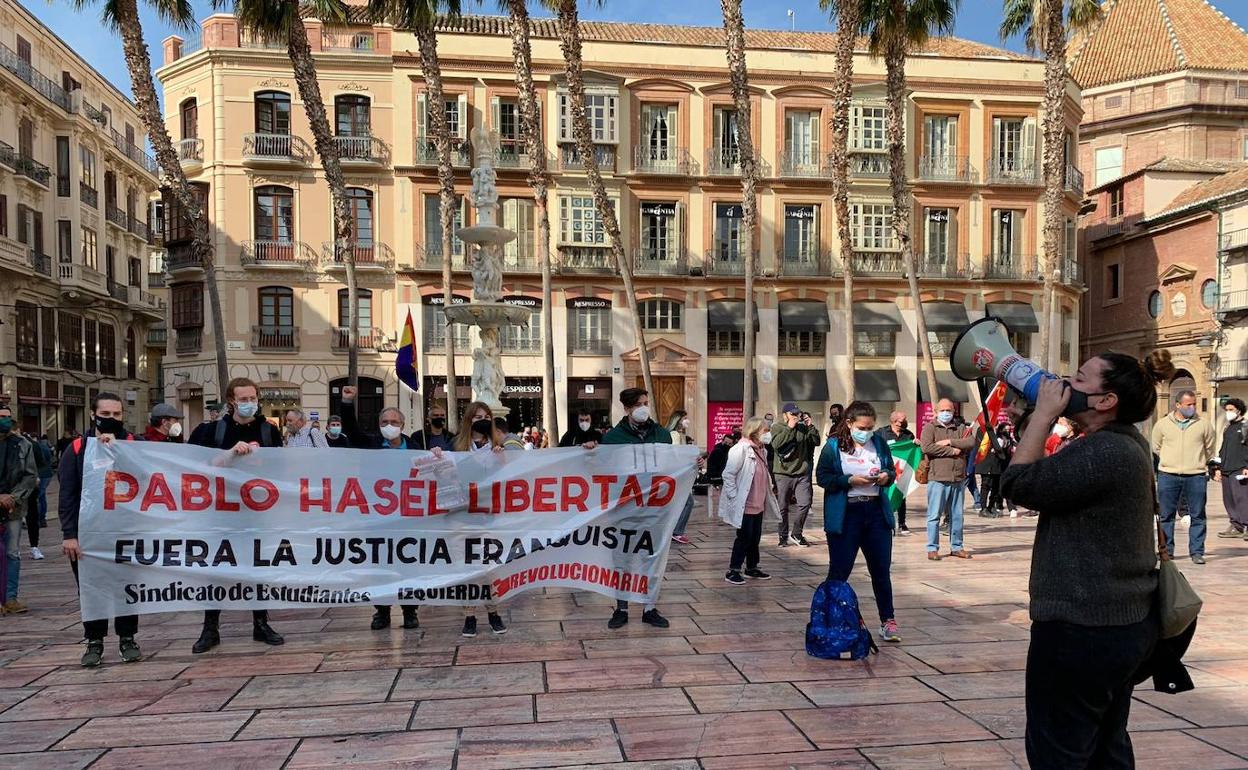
(1093,583)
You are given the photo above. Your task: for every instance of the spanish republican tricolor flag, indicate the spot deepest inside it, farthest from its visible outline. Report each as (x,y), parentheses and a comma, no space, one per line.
(405,361)
(992,410)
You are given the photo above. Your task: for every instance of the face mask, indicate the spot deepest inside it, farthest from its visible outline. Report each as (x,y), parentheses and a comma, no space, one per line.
(335,430)
(1061,431)
(684,424)
(641,414)
(6,424)
(109,425)
(1188,412)
(391,432)
(860,436)
(438,422)
(1232,415)
(766,437)
(904,425)
(944,417)
(585,424)
(247,409)
(175,429)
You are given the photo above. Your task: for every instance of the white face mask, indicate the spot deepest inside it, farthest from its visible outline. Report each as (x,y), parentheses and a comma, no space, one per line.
(765,438)
(685,423)
(1061,431)
(641,414)
(391,432)
(585,424)
(1232,415)
(175,429)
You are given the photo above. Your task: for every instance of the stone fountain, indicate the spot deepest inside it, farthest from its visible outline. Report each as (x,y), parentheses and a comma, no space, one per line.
(485,245)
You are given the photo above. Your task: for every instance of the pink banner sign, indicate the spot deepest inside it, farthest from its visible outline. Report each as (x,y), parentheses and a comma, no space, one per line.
(722,417)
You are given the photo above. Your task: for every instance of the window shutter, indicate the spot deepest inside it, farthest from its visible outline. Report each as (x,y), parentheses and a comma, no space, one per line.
(953,250)
(996,143)
(422,116)
(496,109)
(855,126)
(717,136)
(678,245)
(951,143)
(1016,232)
(647,126)
(462,107)
(565,120)
(814,138)
(23,231)
(790,138)
(1029,144)
(613,119)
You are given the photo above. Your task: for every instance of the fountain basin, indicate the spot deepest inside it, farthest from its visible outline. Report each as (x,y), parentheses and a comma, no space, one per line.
(487,314)
(485,234)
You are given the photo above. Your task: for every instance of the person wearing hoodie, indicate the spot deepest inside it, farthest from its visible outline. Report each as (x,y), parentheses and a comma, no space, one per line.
(582,431)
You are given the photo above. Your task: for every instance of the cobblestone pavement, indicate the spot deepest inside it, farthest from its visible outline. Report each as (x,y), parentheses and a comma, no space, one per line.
(727,687)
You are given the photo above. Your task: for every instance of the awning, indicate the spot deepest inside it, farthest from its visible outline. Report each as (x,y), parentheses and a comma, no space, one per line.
(877,316)
(804,317)
(948,384)
(803,384)
(728,315)
(878,385)
(945,316)
(727,385)
(1019,316)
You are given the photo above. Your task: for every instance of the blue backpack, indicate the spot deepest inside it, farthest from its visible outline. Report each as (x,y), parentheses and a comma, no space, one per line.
(836,630)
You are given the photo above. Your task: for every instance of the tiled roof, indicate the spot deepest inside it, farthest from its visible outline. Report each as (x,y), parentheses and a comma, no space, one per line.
(1194,166)
(620,32)
(1141,38)
(1208,191)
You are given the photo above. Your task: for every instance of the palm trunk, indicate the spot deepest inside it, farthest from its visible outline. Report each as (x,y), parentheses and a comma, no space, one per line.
(895,115)
(539,180)
(427,42)
(734,47)
(300,53)
(139,63)
(848,17)
(570,44)
(1054,167)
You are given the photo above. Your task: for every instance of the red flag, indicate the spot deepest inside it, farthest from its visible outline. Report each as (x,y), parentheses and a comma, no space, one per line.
(992,412)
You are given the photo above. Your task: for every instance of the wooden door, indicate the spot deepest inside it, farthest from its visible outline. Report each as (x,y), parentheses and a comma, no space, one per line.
(669,396)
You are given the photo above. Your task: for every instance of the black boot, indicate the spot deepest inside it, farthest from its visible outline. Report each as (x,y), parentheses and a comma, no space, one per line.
(208,638)
(262,632)
(410,620)
(381,618)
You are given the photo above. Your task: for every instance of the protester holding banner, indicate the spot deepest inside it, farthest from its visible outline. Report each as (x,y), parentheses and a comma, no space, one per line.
(435,433)
(855,470)
(239,430)
(896,431)
(301,433)
(747,499)
(107,413)
(1093,568)
(636,427)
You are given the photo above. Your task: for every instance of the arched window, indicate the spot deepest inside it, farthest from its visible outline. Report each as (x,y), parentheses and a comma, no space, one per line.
(189,111)
(275,214)
(366,309)
(661,315)
(351,115)
(272,112)
(361,215)
(277,307)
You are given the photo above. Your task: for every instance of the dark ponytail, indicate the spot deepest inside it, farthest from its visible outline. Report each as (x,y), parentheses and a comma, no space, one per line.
(855,410)
(1135,382)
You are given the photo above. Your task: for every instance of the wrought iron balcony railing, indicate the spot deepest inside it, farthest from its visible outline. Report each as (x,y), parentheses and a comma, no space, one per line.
(362,149)
(1011,267)
(803,164)
(191,150)
(275,147)
(650,261)
(275,338)
(723,261)
(88,195)
(427,152)
(806,263)
(570,158)
(367,255)
(947,168)
(276,253)
(670,161)
(878,264)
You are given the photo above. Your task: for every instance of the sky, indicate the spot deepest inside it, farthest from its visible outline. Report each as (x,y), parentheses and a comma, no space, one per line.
(977,20)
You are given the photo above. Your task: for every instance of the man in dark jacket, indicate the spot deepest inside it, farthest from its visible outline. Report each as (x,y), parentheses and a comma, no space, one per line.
(793,440)
(582,431)
(897,430)
(390,436)
(716,461)
(242,427)
(106,418)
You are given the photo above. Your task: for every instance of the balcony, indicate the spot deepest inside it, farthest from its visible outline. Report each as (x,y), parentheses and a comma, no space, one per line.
(33,171)
(275,253)
(427,152)
(133,152)
(156,280)
(138,228)
(41,263)
(344,41)
(1232,301)
(570,158)
(182,259)
(1235,239)
(190,154)
(514,344)
(868,165)
(589,346)
(1012,171)
(1073,180)
(944,265)
(366,339)
(727,162)
(88,195)
(723,261)
(46,86)
(586,259)
(952,169)
(371,256)
(14,254)
(189,341)
(145,300)
(1071,274)
(806,265)
(430,257)
(803,164)
(1010,267)
(648,261)
(76,278)
(881,264)
(662,161)
(361,151)
(157,337)
(1236,369)
(118,291)
(8,156)
(519,260)
(275,150)
(116,217)
(275,339)
(513,155)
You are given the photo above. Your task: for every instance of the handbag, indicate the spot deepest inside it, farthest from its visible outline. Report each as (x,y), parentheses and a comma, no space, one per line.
(1178,603)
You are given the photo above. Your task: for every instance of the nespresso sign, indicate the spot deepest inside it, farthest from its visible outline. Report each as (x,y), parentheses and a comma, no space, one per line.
(438,299)
(586,303)
(522,301)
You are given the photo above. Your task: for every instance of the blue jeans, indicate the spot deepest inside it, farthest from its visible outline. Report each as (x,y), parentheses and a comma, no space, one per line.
(865,529)
(12,542)
(43,501)
(946,498)
(683,521)
(1171,487)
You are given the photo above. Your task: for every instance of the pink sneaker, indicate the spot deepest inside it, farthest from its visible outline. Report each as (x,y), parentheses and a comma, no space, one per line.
(889,632)
(680,539)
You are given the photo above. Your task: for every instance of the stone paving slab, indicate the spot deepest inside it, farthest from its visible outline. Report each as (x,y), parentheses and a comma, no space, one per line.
(727,687)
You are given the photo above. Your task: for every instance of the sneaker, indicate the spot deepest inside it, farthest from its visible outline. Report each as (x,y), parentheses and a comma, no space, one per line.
(757,574)
(734,577)
(14,607)
(618,619)
(36,554)
(888,631)
(1198,558)
(785,543)
(496,624)
(801,541)
(1013,513)
(682,539)
(1230,531)
(94,654)
(904,530)
(470,627)
(129,649)
(653,618)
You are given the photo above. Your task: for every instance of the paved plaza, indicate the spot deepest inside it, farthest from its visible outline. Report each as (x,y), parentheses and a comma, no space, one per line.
(727,687)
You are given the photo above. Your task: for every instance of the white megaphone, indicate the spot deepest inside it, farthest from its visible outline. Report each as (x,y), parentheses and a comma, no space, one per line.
(983,350)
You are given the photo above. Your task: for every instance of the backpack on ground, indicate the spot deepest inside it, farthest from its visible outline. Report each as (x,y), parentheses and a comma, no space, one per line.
(836,630)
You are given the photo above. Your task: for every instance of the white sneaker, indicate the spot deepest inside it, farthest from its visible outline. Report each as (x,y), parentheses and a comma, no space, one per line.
(36,554)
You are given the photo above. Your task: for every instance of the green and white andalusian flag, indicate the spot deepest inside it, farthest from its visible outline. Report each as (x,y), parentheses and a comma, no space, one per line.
(906,458)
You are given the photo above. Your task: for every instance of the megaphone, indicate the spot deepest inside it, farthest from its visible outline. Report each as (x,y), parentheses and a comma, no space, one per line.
(983,350)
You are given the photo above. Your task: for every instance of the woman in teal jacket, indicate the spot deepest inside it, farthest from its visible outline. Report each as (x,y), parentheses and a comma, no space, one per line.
(855,470)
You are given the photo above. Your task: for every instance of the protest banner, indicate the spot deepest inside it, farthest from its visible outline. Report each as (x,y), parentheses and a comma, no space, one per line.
(171,528)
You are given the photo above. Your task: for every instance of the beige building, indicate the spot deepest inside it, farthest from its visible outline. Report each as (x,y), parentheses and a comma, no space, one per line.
(75,303)
(665,132)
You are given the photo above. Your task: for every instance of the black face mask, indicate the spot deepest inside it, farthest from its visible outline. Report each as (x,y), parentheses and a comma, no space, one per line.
(1078,402)
(438,422)
(109,425)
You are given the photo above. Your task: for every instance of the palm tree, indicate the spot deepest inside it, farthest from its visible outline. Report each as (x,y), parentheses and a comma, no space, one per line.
(1045,25)
(123,16)
(894,28)
(539,180)
(570,43)
(848,15)
(421,16)
(282,21)
(734,48)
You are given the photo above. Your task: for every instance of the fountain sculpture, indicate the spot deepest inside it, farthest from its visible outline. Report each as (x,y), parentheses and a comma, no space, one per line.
(485,243)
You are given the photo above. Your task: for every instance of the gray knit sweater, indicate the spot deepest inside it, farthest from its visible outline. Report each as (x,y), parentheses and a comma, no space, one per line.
(1093,561)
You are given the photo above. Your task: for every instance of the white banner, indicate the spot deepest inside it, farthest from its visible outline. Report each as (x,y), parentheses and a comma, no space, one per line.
(169,527)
